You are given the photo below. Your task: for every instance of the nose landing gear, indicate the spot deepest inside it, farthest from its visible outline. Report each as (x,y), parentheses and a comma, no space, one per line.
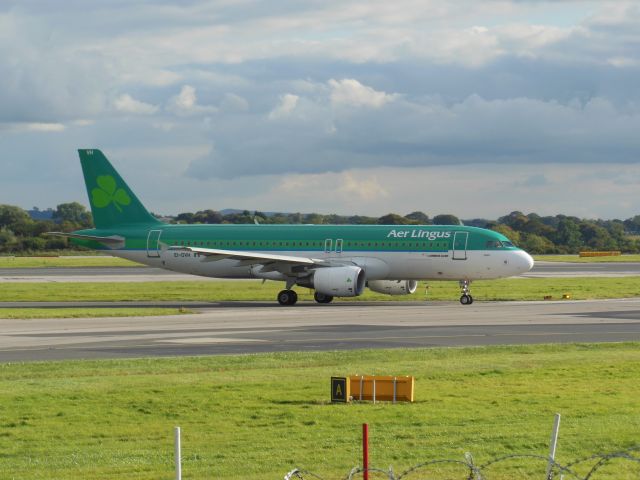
(465,298)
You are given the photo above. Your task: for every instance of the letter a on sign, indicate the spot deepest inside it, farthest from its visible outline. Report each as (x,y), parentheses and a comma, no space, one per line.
(339,389)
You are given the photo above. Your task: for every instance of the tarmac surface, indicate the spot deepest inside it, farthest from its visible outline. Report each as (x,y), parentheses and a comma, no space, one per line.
(253,327)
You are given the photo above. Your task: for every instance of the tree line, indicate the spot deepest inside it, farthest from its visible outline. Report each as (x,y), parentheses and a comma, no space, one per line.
(21,234)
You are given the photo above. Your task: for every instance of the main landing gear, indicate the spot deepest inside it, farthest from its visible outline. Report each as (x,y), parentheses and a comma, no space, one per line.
(290,297)
(287,297)
(466,298)
(322,298)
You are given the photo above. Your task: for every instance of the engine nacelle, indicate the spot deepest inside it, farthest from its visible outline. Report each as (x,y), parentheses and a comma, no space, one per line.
(339,281)
(393,287)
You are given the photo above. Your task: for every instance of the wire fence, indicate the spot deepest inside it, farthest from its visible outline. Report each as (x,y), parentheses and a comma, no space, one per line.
(469,470)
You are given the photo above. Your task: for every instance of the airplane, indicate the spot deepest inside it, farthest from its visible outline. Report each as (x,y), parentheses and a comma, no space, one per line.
(334,260)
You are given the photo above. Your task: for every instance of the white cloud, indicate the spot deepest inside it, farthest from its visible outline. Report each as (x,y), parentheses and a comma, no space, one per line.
(83,122)
(351,92)
(234,103)
(186,103)
(32,127)
(286,106)
(350,188)
(624,62)
(186,99)
(363,187)
(127,104)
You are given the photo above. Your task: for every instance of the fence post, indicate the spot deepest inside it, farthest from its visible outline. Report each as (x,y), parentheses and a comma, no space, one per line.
(365,451)
(374,389)
(178,455)
(395,388)
(552,446)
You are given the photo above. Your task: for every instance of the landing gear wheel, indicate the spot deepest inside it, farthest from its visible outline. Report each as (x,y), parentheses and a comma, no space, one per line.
(466,299)
(322,298)
(287,297)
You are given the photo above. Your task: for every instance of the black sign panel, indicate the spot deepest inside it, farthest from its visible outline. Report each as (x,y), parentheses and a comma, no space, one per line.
(339,389)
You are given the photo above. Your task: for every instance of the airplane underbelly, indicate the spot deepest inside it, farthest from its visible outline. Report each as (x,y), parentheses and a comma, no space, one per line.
(195,264)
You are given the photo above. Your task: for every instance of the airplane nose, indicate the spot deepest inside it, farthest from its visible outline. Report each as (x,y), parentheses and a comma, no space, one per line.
(525,262)
(529,261)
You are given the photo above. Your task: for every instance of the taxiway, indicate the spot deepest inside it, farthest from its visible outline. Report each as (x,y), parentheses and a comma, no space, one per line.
(230,328)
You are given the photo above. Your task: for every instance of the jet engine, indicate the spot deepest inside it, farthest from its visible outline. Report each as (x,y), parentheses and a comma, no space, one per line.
(393,287)
(346,281)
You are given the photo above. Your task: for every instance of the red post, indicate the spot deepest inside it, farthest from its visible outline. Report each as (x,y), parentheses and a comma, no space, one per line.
(365,451)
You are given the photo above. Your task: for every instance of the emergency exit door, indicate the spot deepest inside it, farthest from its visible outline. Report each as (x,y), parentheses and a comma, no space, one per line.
(153,243)
(460,245)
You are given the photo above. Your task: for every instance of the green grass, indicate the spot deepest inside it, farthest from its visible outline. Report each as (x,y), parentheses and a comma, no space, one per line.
(25,313)
(71,261)
(503,289)
(258,416)
(578,259)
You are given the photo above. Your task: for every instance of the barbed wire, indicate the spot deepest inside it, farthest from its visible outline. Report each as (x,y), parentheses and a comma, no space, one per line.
(479,472)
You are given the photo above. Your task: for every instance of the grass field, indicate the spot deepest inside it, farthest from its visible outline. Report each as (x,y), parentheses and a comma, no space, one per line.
(70,261)
(25,313)
(258,416)
(503,289)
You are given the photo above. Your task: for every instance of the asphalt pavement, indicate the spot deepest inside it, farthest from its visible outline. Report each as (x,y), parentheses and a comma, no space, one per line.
(252,327)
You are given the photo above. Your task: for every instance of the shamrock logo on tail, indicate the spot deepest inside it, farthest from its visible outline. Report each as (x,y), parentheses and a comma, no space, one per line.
(108,192)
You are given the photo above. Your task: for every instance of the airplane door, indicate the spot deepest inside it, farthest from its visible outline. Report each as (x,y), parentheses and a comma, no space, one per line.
(327,245)
(153,243)
(460,245)
(339,245)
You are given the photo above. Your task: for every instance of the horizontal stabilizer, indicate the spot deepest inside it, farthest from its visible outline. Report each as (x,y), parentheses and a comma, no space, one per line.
(113,241)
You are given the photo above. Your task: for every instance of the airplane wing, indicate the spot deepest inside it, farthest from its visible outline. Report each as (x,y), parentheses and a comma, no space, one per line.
(214,254)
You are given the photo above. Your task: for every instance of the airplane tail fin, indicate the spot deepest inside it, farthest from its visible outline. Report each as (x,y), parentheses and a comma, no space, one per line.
(112,201)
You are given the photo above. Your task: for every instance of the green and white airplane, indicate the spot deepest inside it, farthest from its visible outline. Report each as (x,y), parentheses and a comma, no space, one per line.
(334,260)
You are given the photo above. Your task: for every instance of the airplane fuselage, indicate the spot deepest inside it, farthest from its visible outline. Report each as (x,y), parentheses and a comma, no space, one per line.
(385,252)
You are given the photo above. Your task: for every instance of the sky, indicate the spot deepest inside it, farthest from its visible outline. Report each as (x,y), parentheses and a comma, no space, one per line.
(476,108)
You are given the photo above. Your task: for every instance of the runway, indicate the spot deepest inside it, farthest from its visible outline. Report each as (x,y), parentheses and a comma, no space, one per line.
(147,274)
(231,328)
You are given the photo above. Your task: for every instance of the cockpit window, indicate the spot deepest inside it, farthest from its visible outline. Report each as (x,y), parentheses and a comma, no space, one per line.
(508,244)
(494,244)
